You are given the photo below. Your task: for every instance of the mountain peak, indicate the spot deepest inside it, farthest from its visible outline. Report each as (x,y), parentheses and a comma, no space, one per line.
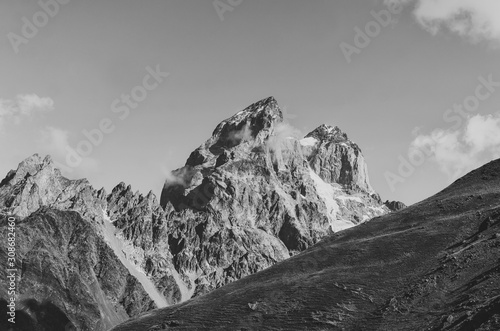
(30,166)
(331,134)
(255,123)
(35,161)
(261,113)
(266,102)
(328,132)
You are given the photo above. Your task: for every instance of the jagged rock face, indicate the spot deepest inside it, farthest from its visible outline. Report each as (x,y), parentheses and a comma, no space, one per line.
(67,267)
(254,123)
(81,243)
(336,159)
(37,183)
(209,254)
(254,181)
(394,205)
(143,228)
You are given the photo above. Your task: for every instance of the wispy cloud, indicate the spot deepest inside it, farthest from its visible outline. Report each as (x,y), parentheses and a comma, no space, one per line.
(55,141)
(458,151)
(281,137)
(475,20)
(244,134)
(175,177)
(25,105)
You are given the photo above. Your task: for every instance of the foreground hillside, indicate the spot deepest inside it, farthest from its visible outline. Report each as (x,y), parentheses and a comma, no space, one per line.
(432,266)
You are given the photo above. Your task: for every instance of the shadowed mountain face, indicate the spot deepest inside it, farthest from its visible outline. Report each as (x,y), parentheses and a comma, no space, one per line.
(431,266)
(36,316)
(66,269)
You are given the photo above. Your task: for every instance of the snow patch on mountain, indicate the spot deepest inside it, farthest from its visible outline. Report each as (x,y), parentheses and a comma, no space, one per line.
(309,141)
(328,194)
(186,292)
(341,224)
(343,198)
(109,232)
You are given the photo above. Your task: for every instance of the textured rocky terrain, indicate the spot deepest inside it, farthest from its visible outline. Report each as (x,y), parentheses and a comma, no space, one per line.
(103,226)
(64,263)
(394,205)
(65,252)
(431,266)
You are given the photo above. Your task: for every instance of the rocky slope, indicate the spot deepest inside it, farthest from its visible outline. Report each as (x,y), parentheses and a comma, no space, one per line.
(252,195)
(65,249)
(431,266)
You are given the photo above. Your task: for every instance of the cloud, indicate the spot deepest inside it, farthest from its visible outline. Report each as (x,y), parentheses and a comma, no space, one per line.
(281,136)
(25,105)
(237,136)
(55,141)
(30,103)
(475,20)
(459,151)
(180,176)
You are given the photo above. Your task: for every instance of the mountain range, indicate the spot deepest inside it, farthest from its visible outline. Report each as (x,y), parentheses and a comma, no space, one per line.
(262,229)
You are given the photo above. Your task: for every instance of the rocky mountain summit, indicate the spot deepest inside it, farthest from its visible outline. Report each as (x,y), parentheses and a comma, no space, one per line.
(65,250)
(254,194)
(431,266)
(262,193)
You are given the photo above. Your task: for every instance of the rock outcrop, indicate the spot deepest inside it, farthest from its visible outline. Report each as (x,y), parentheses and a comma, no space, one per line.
(394,205)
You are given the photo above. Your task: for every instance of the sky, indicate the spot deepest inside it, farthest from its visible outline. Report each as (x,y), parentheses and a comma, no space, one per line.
(121,90)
